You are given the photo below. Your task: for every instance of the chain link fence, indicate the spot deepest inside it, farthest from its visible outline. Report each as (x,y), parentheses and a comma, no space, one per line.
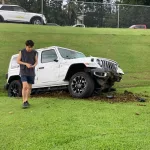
(92,14)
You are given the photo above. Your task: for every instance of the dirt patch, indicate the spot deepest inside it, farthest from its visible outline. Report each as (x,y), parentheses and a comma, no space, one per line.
(120,97)
(111,97)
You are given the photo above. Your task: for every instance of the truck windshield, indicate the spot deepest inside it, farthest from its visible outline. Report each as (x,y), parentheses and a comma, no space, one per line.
(69,54)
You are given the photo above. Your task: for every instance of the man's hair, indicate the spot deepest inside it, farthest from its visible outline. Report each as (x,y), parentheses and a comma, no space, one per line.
(29,43)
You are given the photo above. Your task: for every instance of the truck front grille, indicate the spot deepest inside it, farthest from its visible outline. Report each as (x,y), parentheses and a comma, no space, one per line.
(108,65)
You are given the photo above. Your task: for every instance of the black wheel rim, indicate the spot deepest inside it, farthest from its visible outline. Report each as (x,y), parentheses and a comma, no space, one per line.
(78,84)
(14,90)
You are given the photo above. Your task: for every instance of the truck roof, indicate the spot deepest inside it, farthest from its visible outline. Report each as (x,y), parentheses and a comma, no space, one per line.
(56,47)
(45,48)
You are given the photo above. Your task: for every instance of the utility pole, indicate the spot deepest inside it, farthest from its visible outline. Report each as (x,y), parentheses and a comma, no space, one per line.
(42,1)
(83,13)
(3,1)
(42,6)
(118,16)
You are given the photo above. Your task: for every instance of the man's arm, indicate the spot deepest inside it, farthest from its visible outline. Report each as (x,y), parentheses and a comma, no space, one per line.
(22,63)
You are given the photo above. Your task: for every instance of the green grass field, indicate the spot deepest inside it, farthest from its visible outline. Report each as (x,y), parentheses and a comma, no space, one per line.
(66,124)
(63,123)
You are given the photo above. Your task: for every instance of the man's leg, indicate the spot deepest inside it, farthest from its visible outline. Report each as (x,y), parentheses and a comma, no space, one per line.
(25,91)
(30,82)
(29,90)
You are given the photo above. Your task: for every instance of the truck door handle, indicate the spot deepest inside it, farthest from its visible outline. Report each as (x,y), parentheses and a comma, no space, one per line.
(41,67)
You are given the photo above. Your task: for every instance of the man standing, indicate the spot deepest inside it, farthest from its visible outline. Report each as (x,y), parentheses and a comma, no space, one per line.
(28,60)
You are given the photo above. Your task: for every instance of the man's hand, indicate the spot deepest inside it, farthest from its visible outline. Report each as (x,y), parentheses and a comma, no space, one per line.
(28,65)
(36,61)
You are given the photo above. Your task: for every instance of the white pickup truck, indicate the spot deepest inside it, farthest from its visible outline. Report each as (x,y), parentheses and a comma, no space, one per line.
(61,68)
(15,13)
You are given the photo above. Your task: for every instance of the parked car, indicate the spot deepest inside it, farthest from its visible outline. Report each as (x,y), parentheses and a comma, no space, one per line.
(140,26)
(15,13)
(63,68)
(79,25)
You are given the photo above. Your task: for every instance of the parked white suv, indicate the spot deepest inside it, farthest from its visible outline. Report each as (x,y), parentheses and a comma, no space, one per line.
(61,68)
(15,13)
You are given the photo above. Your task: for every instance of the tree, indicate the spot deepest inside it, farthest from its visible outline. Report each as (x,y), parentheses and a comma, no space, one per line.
(98,1)
(137,2)
(4,1)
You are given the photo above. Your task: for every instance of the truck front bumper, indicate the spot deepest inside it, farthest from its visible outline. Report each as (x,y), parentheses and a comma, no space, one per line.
(103,74)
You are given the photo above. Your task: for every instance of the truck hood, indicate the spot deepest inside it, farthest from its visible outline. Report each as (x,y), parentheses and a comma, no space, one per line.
(92,60)
(96,62)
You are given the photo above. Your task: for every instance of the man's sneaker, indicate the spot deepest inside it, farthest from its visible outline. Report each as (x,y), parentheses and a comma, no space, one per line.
(25,105)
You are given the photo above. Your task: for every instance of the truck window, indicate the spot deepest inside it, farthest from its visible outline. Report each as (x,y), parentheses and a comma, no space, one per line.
(48,56)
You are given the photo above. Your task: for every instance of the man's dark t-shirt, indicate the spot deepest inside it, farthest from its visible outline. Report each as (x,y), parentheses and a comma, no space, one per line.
(27,57)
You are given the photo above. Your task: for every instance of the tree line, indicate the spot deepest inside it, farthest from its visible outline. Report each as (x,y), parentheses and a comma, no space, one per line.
(94,14)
